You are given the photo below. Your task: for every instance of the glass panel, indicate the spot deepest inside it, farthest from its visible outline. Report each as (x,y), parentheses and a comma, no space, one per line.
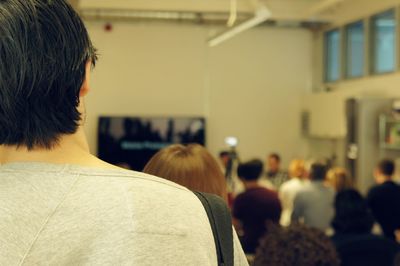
(332,55)
(383,42)
(355,50)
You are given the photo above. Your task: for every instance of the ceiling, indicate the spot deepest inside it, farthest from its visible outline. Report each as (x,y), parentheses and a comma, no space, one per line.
(315,11)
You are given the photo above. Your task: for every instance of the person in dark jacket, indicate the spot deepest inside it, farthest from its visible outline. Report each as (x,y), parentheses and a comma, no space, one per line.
(355,243)
(384,198)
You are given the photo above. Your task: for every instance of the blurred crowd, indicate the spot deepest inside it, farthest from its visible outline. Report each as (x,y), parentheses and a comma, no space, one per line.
(309,214)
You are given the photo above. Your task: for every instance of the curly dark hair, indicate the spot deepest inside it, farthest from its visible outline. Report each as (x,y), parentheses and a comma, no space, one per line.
(296,245)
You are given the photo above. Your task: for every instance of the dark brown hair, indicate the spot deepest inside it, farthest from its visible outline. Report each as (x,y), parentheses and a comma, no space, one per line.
(44,49)
(191,166)
(296,245)
(386,167)
(251,170)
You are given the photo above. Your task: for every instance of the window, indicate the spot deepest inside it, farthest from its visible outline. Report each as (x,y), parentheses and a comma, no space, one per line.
(383,30)
(332,55)
(355,50)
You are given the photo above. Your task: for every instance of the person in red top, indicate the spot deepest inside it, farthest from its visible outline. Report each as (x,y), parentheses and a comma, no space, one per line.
(255,207)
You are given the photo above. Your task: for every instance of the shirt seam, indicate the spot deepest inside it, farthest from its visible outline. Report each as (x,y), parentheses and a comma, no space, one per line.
(46,222)
(104,174)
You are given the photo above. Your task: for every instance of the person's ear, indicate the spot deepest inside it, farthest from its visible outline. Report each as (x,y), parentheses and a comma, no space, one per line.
(86,82)
(378,176)
(376,173)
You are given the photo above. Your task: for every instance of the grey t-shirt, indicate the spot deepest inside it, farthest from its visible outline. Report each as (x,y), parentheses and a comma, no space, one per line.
(70,215)
(314,204)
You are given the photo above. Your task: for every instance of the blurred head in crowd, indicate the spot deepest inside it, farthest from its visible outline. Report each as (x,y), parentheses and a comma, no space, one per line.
(317,172)
(273,163)
(191,166)
(297,168)
(307,167)
(44,72)
(224,158)
(250,171)
(384,171)
(296,245)
(339,179)
(352,215)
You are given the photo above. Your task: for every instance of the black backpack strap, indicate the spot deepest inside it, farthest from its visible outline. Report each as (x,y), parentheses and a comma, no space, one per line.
(221,225)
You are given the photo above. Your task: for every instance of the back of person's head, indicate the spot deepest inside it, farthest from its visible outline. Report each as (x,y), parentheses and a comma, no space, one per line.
(191,166)
(317,172)
(296,168)
(296,245)
(44,51)
(251,170)
(223,154)
(275,157)
(339,179)
(352,215)
(224,157)
(386,167)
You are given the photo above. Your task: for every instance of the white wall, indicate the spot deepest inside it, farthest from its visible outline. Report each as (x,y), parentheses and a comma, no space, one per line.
(257,81)
(249,87)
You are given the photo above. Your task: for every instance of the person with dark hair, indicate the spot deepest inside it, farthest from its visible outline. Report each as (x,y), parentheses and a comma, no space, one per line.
(224,157)
(223,153)
(254,207)
(229,162)
(313,204)
(296,245)
(354,242)
(275,175)
(384,198)
(59,204)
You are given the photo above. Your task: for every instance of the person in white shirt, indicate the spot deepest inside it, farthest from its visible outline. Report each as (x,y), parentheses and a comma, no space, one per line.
(60,205)
(290,188)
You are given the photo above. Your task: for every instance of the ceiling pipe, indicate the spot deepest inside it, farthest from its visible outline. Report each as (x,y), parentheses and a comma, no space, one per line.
(261,15)
(232,13)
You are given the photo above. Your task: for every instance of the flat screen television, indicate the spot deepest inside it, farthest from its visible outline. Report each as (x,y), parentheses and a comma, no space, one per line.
(132,141)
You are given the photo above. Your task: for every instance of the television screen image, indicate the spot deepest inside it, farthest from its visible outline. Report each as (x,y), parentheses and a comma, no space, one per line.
(131,141)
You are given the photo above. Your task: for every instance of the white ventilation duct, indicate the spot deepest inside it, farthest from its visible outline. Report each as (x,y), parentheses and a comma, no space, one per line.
(261,14)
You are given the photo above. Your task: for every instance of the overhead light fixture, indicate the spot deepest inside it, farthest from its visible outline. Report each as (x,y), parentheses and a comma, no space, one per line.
(262,14)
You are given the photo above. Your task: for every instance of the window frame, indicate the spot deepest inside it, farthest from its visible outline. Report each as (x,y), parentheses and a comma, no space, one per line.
(325,55)
(346,47)
(368,47)
(372,44)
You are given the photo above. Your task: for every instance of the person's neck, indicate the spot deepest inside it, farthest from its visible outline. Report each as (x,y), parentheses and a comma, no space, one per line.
(382,179)
(251,184)
(71,149)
